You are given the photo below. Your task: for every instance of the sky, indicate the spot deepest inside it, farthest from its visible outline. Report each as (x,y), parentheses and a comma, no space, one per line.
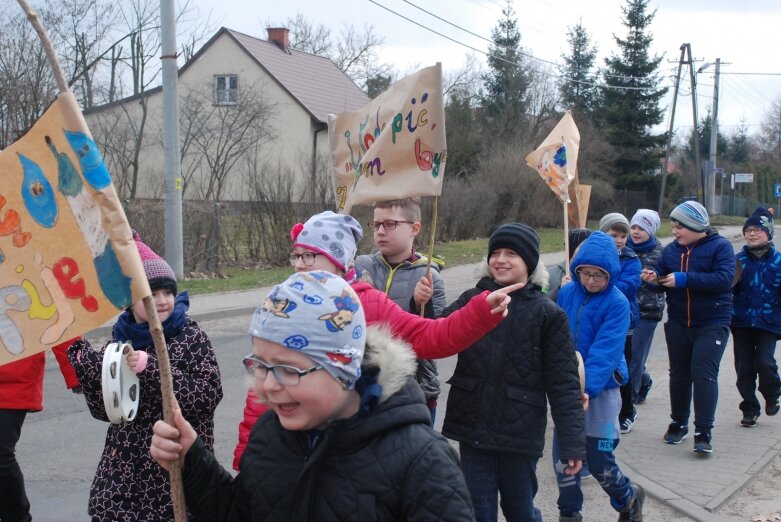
(744,34)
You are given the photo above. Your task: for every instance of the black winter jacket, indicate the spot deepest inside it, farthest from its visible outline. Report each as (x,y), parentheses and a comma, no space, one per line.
(388,465)
(498,393)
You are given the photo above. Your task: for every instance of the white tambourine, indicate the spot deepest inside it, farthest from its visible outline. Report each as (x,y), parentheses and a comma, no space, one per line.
(120,385)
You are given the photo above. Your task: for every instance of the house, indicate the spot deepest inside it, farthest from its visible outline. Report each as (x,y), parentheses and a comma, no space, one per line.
(250,109)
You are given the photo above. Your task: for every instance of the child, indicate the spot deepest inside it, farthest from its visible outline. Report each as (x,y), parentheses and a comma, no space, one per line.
(128,485)
(328,241)
(756,320)
(348,438)
(628,281)
(497,405)
(642,240)
(599,318)
(696,271)
(557,274)
(21,391)
(396,268)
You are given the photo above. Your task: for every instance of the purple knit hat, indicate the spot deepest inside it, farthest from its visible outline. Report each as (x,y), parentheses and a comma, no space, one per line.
(159,273)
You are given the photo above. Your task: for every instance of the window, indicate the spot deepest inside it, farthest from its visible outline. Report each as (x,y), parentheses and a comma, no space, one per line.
(226,89)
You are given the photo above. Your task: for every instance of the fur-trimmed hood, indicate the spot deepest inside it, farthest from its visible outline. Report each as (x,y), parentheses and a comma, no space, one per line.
(394,358)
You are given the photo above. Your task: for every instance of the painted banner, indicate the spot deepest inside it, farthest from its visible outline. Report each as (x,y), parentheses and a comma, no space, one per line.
(556,159)
(394,147)
(68,262)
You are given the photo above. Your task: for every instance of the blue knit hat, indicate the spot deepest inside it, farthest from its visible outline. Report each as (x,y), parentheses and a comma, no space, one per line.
(318,314)
(761,218)
(691,215)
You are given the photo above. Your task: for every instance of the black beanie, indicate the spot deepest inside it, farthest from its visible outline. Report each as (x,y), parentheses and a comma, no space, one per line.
(518,238)
(576,237)
(761,218)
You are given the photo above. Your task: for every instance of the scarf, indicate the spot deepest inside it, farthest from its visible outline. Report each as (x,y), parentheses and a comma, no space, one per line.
(759,251)
(645,246)
(127,329)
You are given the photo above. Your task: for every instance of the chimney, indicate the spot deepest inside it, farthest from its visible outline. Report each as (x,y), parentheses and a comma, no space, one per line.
(279,35)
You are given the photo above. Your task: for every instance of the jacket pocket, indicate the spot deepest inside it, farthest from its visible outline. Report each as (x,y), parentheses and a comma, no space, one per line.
(531,397)
(463,399)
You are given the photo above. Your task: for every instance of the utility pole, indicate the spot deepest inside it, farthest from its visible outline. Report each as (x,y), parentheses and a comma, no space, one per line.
(714,134)
(666,161)
(172,163)
(697,154)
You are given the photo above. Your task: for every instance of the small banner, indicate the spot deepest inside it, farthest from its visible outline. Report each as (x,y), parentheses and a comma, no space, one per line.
(394,147)
(556,159)
(68,262)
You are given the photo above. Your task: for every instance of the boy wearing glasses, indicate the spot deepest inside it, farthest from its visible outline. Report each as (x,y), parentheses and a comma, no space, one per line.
(756,319)
(396,267)
(599,318)
(349,436)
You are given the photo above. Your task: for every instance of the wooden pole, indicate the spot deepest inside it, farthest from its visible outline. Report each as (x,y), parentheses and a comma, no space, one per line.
(431,245)
(566,237)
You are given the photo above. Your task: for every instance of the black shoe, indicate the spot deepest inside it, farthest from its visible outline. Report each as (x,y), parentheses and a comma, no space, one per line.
(772,407)
(645,389)
(702,443)
(627,423)
(634,511)
(676,433)
(749,420)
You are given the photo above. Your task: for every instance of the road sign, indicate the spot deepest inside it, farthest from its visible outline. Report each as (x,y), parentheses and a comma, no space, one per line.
(744,178)
(777,190)
(719,171)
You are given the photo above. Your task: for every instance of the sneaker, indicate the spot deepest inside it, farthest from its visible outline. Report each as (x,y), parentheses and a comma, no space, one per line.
(634,511)
(749,420)
(676,433)
(772,407)
(627,423)
(574,517)
(702,443)
(645,389)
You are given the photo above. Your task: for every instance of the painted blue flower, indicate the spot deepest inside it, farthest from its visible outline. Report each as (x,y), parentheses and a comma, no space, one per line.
(560,158)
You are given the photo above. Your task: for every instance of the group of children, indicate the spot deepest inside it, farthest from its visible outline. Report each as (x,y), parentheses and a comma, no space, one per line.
(338,420)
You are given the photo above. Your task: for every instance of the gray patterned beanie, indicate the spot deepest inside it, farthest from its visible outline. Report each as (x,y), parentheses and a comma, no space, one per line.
(336,236)
(318,314)
(691,215)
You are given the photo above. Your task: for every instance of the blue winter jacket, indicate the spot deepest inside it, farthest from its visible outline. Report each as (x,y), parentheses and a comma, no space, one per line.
(757,294)
(599,321)
(629,281)
(703,281)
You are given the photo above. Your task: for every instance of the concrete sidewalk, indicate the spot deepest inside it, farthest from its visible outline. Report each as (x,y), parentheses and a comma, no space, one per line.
(673,474)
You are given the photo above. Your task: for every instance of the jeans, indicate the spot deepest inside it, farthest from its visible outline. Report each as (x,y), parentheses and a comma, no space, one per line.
(603,466)
(500,473)
(642,338)
(754,357)
(14,505)
(627,404)
(695,355)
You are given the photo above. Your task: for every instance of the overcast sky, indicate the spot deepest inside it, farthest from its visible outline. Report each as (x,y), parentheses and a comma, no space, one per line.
(744,33)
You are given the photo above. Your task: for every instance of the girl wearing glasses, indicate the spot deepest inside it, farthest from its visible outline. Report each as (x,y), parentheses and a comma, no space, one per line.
(348,437)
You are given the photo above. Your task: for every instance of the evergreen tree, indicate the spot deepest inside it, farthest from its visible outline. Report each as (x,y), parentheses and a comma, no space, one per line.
(504,94)
(463,154)
(738,150)
(577,90)
(630,108)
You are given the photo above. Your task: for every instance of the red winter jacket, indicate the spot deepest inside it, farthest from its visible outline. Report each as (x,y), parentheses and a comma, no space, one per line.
(430,338)
(21,382)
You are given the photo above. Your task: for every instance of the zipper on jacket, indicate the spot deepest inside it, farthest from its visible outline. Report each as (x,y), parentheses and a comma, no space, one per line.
(685,268)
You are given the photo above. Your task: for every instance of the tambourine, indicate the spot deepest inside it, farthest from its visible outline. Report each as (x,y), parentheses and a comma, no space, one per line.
(581,372)
(120,385)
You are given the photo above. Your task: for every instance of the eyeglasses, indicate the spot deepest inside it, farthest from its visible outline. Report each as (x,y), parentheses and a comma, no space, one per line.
(388,224)
(307,257)
(287,375)
(598,277)
(752,230)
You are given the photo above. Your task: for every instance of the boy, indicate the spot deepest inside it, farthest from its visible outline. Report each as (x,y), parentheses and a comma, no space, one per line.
(599,317)
(349,436)
(396,268)
(756,320)
(496,408)
(628,281)
(696,270)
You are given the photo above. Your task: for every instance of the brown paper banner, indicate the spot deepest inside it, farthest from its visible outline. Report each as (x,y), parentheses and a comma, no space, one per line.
(394,147)
(68,262)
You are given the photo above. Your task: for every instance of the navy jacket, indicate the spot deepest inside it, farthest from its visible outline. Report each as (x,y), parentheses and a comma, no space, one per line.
(703,281)
(628,281)
(757,294)
(649,300)
(599,321)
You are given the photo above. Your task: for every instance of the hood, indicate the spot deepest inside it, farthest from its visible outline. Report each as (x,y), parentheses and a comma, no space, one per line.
(539,277)
(598,250)
(394,358)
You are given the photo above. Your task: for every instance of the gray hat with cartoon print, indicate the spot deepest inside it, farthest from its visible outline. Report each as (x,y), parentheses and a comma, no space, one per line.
(318,314)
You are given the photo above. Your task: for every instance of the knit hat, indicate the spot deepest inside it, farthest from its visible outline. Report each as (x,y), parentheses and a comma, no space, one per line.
(576,237)
(159,273)
(519,238)
(613,220)
(336,236)
(761,218)
(691,215)
(319,315)
(646,219)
